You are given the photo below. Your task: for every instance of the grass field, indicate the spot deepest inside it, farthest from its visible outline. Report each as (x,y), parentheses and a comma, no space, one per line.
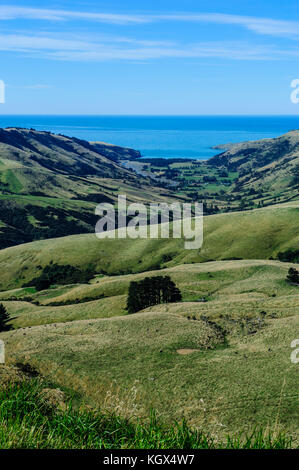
(256,234)
(35,414)
(223,364)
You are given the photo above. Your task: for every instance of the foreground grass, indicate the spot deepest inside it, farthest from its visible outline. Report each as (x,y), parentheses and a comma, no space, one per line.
(28,421)
(181,367)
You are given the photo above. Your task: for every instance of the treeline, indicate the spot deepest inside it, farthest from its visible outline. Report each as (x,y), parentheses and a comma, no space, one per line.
(152,291)
(164,162)
(60,274)
(52,223)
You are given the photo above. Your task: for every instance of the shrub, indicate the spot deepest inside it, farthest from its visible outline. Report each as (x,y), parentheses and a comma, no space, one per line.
(293,276)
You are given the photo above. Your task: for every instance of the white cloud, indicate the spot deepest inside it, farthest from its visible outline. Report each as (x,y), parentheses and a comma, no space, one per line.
(13,12)
(258,25)
(53,46)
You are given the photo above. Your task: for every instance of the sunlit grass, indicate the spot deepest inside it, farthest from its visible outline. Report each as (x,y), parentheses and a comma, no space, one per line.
(27,421)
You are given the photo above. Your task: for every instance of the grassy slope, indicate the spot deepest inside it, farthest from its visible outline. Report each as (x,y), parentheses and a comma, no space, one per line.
(45,176)
(233,287)
(256,234)
(130,363)
(36,406)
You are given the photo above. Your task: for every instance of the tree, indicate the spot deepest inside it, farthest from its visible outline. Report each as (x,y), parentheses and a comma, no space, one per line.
(293,276)
(4,318)
(152,291)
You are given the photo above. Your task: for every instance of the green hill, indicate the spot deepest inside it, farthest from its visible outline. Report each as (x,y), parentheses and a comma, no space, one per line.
(50,184)
(256,234)
(267,169)
(223,365)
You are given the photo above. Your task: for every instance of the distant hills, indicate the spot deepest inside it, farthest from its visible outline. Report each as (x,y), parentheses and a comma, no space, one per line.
(31,158)
(50,184)
(244,176)
(267,168)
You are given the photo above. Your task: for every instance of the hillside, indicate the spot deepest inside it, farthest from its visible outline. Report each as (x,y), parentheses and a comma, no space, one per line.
(267,168)
(255,234)
(28,149)
(245,175)
(224,364)
(50,184)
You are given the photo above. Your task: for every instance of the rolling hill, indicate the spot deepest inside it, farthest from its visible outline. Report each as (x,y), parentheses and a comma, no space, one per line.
(268,169)
(220,358)
(50,184)
(223,365)
(255,234)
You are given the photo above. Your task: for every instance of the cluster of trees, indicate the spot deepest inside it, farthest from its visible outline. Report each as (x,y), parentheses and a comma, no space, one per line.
(152,291)
(60,274)
(289,256)
(293,276)
(53,222)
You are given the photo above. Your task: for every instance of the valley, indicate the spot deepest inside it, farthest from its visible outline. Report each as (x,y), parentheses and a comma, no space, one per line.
(219,358)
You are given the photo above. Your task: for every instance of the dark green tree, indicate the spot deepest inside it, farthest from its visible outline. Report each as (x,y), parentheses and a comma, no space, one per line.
(4,318)
(293,276)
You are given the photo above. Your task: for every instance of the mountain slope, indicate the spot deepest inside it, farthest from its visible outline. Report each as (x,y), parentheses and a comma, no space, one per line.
(65,155)
(265,167)
(50,184)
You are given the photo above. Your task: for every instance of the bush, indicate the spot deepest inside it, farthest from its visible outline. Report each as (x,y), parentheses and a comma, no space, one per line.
(293,276)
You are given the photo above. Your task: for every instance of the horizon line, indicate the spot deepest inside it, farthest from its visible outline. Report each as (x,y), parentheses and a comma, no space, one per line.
(151,115)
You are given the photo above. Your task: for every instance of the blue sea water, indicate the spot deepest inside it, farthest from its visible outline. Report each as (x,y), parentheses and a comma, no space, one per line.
(161,136)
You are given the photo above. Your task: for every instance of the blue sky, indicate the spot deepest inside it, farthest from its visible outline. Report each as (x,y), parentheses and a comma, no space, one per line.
(149,57)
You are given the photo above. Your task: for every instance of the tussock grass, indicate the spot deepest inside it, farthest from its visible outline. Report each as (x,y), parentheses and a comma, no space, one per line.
(28,421)
(130,364)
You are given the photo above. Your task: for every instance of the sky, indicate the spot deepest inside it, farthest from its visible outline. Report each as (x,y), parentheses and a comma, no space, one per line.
(151,58)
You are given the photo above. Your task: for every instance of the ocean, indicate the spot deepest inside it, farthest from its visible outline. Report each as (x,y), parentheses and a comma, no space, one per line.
(161,136)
